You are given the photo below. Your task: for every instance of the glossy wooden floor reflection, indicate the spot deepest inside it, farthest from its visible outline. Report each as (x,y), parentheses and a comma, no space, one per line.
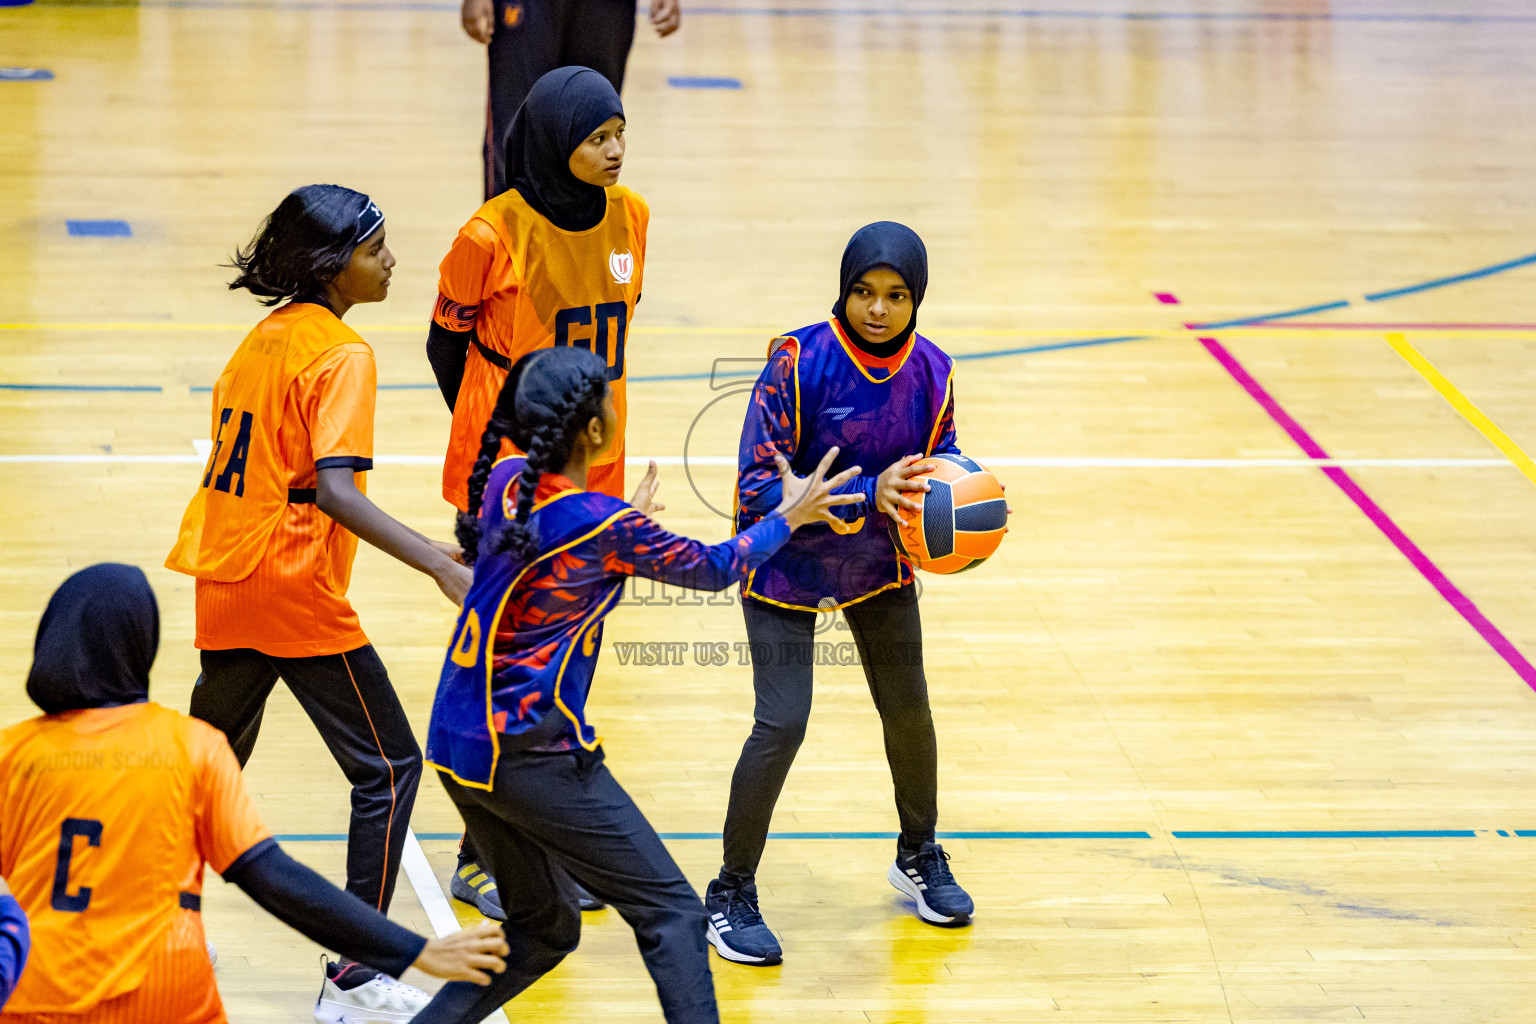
(1157,649)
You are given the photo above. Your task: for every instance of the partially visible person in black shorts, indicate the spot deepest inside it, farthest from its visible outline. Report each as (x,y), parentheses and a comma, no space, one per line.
(528,38)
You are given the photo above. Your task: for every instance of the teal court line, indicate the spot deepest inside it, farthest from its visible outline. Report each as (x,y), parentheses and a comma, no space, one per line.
(1413,289)
(1345,833)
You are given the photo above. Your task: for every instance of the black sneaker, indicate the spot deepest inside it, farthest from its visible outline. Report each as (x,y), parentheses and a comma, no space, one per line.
(475,886)
(924,875)
(736,929)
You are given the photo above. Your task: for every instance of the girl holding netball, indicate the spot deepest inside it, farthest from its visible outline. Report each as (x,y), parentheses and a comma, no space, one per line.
(272,530)
(509,735)
(864,384)
(556,259)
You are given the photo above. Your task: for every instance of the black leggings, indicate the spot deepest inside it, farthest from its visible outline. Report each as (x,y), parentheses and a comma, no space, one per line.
(555,818)
(350,700)
(889,636)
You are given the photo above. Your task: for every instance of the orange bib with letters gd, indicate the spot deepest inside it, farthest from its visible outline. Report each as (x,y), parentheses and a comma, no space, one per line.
(244,491)
(556,287)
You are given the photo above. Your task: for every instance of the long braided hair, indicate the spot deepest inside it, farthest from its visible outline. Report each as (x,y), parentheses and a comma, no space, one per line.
(548,398)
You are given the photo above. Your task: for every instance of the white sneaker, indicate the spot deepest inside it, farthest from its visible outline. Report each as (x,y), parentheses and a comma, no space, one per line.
(213,954)
(381,1000)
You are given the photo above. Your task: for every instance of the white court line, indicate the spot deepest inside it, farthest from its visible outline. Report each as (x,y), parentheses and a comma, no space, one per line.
(1039,462)
(433,901)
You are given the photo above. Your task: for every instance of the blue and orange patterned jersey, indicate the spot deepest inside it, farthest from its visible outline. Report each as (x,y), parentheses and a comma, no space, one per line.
(520,666)
(819,390)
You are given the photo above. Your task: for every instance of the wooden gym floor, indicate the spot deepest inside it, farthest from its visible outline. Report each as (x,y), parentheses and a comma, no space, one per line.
(1230,736)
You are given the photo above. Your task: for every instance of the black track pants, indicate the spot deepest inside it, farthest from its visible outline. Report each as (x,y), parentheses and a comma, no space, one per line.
(350,700)
(533,38)
(552,818)
(889,636)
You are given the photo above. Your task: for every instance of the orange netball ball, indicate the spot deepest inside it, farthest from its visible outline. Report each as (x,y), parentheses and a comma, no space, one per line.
(963,519)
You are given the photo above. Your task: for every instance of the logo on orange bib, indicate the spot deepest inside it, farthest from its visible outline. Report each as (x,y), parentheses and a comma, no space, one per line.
(622,264)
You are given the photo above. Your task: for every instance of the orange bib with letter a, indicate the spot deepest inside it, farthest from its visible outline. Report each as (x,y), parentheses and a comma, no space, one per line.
(244,490)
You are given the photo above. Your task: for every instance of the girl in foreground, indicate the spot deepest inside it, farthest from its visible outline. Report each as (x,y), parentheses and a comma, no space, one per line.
(110,806)
(509,735)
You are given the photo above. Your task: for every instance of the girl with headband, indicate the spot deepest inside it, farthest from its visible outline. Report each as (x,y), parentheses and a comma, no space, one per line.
(555,260)
(272,530)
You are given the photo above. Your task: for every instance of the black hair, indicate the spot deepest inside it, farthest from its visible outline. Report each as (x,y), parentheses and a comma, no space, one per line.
(548,398)
(303,245)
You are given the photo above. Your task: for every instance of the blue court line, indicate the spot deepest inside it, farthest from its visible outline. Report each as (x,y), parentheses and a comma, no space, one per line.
(1050,13)
(1347,833)
(702,82)
(81,387)
(23,74)
(1441,282)
(317,837)
(1387,833)
(1041,14)
(98,229)
(1321,307)
(1052,347)
(670,376)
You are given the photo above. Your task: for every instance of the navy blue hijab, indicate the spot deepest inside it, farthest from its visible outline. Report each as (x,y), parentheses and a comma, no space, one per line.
(562,109)
(96,642)
(883,244)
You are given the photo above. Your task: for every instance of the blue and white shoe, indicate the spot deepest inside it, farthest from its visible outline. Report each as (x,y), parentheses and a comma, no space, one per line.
(924,875)
(736,928)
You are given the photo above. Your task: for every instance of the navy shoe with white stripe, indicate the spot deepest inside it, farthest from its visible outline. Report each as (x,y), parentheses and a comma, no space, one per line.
(924,875)
(736,928)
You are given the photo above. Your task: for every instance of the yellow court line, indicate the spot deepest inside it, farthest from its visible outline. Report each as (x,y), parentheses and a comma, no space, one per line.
(1462,404)
(169,326)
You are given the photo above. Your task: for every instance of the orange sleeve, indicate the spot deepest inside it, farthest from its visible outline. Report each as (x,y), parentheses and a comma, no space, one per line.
(464,276)
(338,403)
(227,821)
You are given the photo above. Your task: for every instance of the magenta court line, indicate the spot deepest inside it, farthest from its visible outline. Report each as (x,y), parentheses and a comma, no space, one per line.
(1383,522)
(1292,325)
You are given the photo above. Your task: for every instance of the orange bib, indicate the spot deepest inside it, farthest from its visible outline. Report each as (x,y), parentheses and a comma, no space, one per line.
(549,287)
(244,491)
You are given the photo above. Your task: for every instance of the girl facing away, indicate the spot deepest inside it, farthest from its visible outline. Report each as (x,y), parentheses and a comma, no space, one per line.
(111,806)
(509,736)
(866,385)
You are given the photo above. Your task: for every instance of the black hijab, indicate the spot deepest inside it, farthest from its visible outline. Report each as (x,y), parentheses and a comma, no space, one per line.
(883,244)
(96,642)
(562,109)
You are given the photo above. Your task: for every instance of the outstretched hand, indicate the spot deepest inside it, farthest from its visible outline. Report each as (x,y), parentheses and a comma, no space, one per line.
(809,499)
(465,955)
(645,495)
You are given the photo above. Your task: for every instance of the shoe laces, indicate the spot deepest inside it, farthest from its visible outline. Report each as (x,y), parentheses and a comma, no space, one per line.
(932,863)
(743,912)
